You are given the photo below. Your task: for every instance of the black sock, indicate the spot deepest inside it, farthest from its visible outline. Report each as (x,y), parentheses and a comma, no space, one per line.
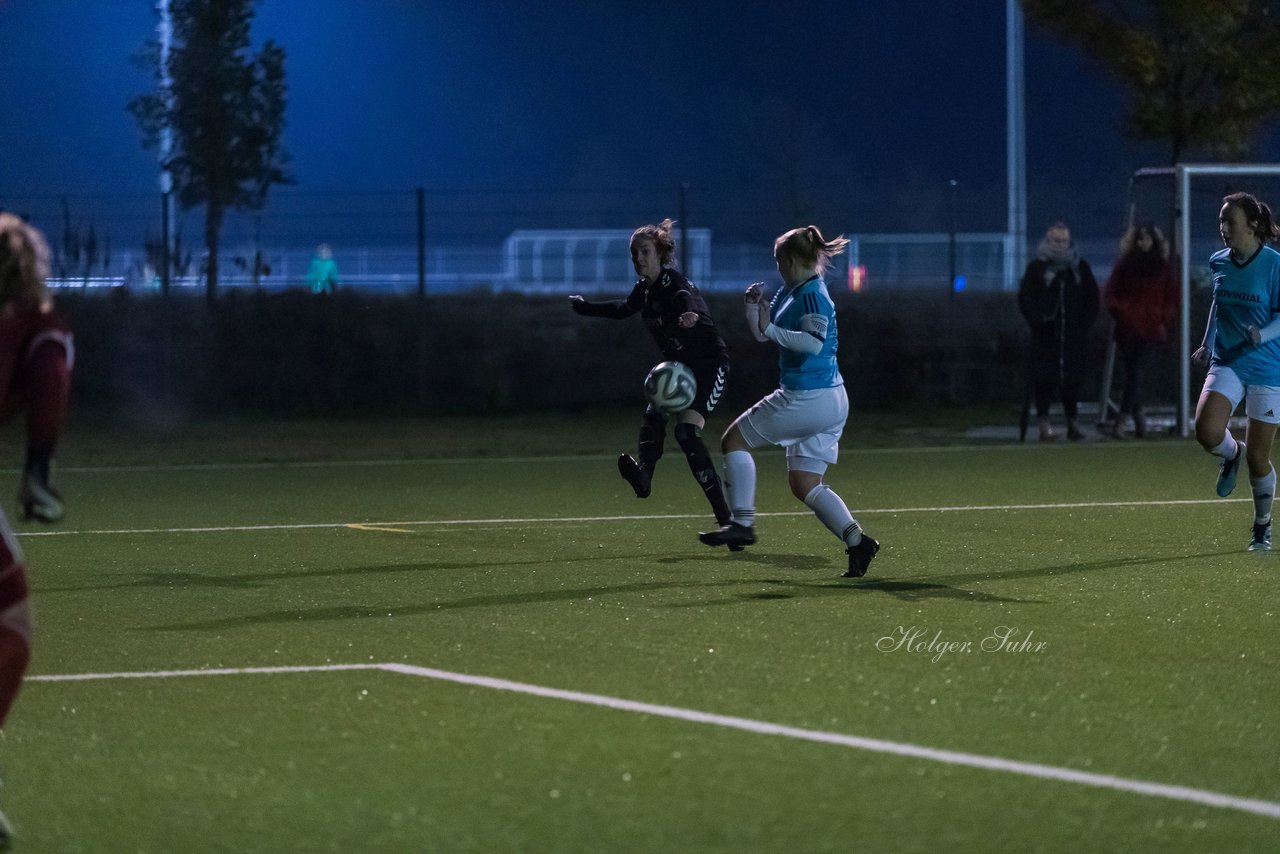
(653,431)
(704,471)
(38,462)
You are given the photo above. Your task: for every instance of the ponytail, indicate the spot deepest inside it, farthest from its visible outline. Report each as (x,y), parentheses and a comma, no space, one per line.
(1267,231)
(810,247)
(660,236)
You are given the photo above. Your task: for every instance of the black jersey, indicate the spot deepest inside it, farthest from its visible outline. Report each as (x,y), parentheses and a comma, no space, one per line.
(660,306)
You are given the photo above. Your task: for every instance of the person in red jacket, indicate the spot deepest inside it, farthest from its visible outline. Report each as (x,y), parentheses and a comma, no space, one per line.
(1142,296)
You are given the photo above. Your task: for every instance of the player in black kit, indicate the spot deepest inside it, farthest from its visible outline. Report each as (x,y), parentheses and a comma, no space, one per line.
(676,315)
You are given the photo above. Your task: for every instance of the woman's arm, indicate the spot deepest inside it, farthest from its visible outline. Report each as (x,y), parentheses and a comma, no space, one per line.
(757,320)
(801,342)
(615,309)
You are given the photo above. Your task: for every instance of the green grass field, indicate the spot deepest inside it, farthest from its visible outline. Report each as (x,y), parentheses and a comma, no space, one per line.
(482,550)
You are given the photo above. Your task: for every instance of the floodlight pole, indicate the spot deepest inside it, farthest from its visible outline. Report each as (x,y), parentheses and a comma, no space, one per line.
(951,243)
(1183,214)
(421,196)
(1016,144)
(164,29)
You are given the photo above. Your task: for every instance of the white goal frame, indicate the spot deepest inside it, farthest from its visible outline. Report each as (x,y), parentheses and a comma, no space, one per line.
(1182,174)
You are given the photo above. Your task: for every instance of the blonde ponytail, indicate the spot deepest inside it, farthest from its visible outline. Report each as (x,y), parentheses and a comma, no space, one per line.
(809,247)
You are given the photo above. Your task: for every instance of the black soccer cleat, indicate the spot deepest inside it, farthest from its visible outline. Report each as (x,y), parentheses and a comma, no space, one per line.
(860,557)
(733,535)
(1261,541)
(39,500)
(633,474)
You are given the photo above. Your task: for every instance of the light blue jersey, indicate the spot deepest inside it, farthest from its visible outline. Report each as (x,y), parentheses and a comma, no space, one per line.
(807,308)
(1246,295)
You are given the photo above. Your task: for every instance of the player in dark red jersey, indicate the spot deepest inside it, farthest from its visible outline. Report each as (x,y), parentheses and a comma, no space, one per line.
(35,364)
(36,355)
(676,315)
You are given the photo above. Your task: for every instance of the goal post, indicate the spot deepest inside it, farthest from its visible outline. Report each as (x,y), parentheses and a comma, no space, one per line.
(1182,175)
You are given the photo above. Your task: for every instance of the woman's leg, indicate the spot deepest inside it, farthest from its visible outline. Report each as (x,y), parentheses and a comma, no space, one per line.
(688,434)
(1213,413)
(638,471)
(1259,437)
(739,475)
(740,491)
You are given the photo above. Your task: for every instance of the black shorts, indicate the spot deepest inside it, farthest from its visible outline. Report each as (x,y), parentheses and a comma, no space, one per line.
(710,376)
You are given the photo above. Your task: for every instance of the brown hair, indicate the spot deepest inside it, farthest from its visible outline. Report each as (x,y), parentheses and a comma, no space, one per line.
(809,247)
(24,262)
(660,236)
(1255,211)
(1159,246)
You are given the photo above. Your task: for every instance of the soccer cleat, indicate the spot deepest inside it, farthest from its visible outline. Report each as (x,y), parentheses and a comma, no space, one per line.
(860,556)
(1229,472)
(6,833)
(1261,537)
(633,474)
(39,500)
(733,535)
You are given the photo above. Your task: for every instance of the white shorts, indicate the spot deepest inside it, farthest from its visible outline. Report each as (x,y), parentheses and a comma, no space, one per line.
(1261,402)
(807,423)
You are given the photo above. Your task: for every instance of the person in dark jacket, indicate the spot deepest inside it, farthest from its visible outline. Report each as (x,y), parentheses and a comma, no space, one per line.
(1142,297)
(1058,297)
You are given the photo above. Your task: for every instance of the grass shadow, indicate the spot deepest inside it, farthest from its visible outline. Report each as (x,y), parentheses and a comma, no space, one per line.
(354,612)
(258,580)
(908,591)
(1069,568)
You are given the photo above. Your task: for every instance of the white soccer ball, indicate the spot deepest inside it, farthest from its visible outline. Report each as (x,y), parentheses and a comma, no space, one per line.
(671,387)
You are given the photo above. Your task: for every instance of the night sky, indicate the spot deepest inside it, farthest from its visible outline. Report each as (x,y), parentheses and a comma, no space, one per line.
(851,114)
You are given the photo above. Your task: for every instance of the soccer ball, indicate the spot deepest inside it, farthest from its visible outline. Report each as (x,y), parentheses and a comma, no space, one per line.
(671,387)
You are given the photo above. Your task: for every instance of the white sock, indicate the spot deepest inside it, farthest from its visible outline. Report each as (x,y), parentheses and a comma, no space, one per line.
(1264,492)
(1227,448)
(834,513)
(740,486)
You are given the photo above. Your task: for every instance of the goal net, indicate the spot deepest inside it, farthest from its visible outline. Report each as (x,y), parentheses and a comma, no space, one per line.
(1183,202)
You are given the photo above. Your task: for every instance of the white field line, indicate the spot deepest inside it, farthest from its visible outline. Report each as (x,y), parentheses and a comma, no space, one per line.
(218,671)
(561,520)
(1268,809)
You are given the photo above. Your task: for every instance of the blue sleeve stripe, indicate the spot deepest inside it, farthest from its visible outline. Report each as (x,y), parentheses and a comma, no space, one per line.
(816,335)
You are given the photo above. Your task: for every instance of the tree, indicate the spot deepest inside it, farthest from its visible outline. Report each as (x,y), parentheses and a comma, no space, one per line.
(1203,74)
(225,107)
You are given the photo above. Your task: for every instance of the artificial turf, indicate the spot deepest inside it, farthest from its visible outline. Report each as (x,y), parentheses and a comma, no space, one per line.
(1151,651)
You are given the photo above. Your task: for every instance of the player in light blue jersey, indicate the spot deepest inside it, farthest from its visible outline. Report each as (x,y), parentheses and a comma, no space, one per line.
(1242,349)
(807,414)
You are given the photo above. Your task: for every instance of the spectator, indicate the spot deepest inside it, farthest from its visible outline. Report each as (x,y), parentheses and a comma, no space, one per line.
(1058,297)
(322,275)
(1142,296)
